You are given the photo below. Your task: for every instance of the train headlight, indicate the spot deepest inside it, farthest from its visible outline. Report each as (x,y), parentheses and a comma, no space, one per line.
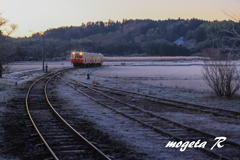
(73,52)
(80,53)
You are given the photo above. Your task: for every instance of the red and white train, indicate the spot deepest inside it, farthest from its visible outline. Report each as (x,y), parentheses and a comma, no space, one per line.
(86,59)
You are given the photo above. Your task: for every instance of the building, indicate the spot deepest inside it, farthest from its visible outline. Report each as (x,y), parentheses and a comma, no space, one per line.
(180,41)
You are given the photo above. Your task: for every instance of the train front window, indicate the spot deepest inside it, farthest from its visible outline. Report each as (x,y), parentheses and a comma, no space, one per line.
(73,55)
(78,56)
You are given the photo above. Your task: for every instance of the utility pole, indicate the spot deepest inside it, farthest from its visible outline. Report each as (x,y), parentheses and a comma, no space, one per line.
(43,56)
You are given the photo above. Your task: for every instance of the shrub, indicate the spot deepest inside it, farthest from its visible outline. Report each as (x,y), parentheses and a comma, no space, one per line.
(221,75)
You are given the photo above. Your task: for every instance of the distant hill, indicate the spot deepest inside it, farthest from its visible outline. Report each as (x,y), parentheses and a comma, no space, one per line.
(128,38)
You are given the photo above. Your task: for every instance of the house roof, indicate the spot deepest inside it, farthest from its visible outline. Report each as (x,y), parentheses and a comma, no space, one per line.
(181,40)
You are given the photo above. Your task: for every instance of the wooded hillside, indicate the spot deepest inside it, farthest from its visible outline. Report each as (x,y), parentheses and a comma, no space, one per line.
(130,38)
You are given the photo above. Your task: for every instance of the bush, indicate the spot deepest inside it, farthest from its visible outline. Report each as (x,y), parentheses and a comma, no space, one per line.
(219,74)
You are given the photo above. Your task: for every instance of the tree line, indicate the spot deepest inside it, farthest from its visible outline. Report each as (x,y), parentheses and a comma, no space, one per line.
(128,38)
(138,38)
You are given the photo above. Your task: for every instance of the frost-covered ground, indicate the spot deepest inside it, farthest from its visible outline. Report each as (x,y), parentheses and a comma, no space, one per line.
(177,80)
(157,81)
(37,65)
(20,73)
(187,77)
(9,88)
(179,58)
(131,133)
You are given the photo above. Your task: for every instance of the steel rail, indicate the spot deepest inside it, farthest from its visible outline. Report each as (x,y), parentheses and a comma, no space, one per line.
(173,102)
(70,127)
(151,114)
(102,155)
(29,114)
(150,126)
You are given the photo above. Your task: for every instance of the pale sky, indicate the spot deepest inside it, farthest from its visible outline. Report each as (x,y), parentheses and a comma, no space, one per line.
(40,15)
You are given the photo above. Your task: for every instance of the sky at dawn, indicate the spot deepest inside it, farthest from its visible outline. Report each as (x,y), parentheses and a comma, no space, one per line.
(40,15)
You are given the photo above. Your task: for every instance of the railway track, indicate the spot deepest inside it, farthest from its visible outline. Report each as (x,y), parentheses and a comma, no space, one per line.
(231,150)
(168,102)
(61,139)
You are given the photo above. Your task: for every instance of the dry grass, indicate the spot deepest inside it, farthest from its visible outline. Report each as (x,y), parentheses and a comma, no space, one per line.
(191,90)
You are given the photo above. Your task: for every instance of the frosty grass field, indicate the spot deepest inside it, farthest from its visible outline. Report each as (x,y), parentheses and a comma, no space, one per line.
(181,77)
(177,79)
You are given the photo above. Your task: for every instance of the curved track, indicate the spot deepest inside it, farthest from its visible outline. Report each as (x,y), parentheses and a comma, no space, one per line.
(231,150)
(62,141)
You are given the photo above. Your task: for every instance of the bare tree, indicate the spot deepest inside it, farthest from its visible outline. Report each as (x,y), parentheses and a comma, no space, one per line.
(6,47)
(220,74)
(233,34)
(236,18)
